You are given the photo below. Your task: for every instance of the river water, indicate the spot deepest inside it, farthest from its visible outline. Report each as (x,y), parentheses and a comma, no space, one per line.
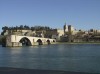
(65,57)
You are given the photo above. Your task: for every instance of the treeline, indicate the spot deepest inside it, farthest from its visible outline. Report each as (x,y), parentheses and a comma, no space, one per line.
(25,27)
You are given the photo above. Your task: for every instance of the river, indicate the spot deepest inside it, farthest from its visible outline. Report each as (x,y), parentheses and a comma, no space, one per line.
(65,57)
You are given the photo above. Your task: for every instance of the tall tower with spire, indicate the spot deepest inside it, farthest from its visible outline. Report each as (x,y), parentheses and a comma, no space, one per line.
(68,31)
(65,28)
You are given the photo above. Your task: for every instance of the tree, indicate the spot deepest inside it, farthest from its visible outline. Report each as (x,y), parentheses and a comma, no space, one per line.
(5,28)
(32,28)
(26,27)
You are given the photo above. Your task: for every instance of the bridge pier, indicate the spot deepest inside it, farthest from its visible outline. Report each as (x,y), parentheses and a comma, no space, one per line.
(35,43)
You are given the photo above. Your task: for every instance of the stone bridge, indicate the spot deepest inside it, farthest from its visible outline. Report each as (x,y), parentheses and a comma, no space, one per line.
(15,40)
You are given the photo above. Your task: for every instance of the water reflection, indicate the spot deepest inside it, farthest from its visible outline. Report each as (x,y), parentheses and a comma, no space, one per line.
(68,57)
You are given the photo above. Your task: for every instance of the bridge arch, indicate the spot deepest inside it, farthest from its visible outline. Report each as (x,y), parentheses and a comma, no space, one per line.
(25,41)
(54,41)
(48,42)
(40,42)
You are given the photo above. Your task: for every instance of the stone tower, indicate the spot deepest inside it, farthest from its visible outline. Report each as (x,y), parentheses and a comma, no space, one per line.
(65,28)
(70,32)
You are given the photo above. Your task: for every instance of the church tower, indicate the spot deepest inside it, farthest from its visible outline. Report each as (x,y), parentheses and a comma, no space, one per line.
(65,28)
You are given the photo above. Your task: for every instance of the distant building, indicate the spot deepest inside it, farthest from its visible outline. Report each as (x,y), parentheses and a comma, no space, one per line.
(65,28)
(58,34)
(67,34)
(69,31)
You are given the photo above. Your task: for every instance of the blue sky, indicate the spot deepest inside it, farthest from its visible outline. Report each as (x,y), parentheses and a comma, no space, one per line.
(82,14)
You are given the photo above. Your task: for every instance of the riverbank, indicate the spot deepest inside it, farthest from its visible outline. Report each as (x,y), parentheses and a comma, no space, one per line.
(77,42)
(8,70)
